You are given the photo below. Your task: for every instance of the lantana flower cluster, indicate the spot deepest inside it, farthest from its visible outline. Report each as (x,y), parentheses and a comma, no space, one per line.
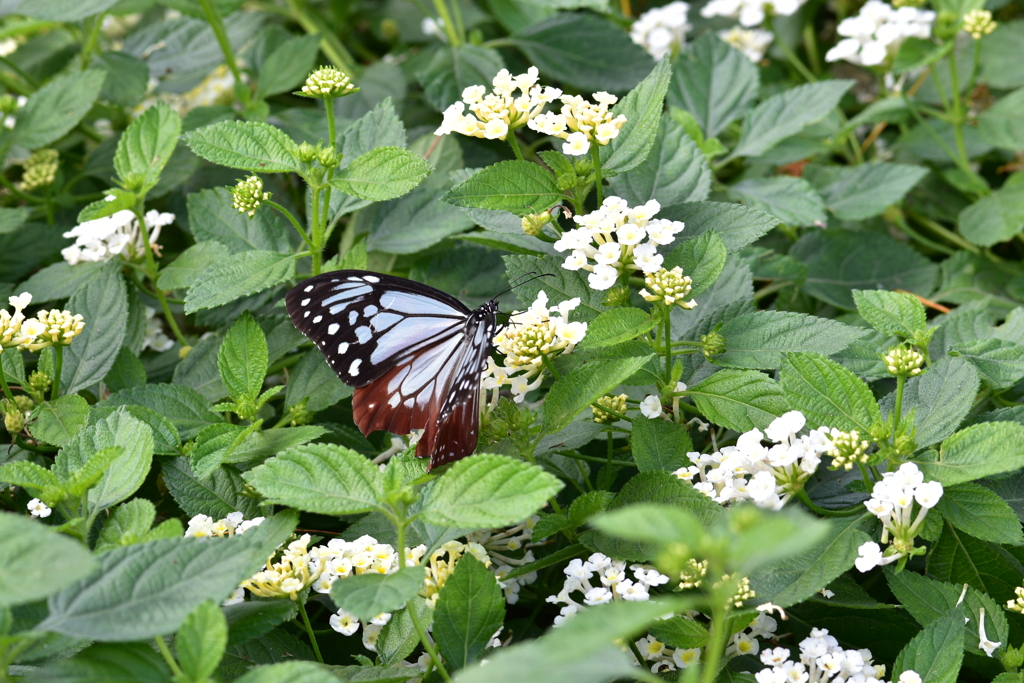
(118,234)
(610,241)
(288,576)
(752,42)
(581,122)
(48,328)
(493,115)
(499,543)
(203,526)
(892,501)
(876,33)
(155,338)
(530,336)
(821,659)
(749,12)
(662,30)
(768,476)
(745,642)
(612,583)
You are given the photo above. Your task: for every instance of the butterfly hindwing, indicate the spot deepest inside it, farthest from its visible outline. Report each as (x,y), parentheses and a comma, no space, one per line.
(414,354)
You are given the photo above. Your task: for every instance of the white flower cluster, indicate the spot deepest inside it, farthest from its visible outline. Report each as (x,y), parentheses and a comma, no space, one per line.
(767,476)
(104,238)
(48,328)
(528,338)
(752,42)
(202,526)
(581,123)
(823,659)
(892,501)
(155,338)
(499,543)
(877,32)
(613,584)
(38,508)
(494,114)
(664,658)
(749,12)
(662,30)
(608,241)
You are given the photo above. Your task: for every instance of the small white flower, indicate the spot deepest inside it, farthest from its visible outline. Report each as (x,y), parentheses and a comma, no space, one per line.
(597,596)
(983,642)
(651,407)
(38,508)
(576,144)
(910,676)
(495,129)
(603,277)
(686,658)
(344,623)
(869,556)
(928,495)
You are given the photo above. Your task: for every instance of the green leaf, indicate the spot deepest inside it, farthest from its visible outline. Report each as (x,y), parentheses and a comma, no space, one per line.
(201,641)
(381,174)
(248,145)
(34,477)
(185,409)
(313,379)
(1002,124)
(65,10)
(917,53)
(126,373)
(739,399)
(999,362)
(660,445)
(252,619)
(854,193)
(839,261)
(675,171)
(715,82)
(642,108)
(737,225)
(702,259)
(56,108)
(958,558)
(211,217)
(517,186)
(148,589)
(680,632)
(572,393)
(135,662)
(129,524)
(290,672)
(288,65)
(797,578)
(29,551)
(892,313)
(978,451)
(218,495)
(935,653)
(787,113)
(995,218)
(399,638)
(452,69)
(616,326)
(146,147)
(242,359)
(239,275)
(414,222)
(127,78)
(565,285)
(367,595)
(486,490)
(12,219)
(57,421)
(585,51)
(792,200)
(941,398)
(828,394)
(660,525)
(322,478)
(978,511)
(591,503)
(103,303)
(999,66)
(470,609)
(129,469)
(182,272)
(584,650)
(757,340)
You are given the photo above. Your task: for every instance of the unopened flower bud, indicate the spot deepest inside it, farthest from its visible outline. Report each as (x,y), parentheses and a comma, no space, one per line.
(693,574)
(39,381)
(61,327)
(15,412)
(247,195)
(1017,604)
(903,362)
(535,222)
(905,444)
(327,83)
(389,30)
(617,296)
(743,591)
(978,23)
(712,343)
(328,158)
(306,153)
(848,449)
(8,105)
(670,286)
(299,415)
(614,403)
(40,169)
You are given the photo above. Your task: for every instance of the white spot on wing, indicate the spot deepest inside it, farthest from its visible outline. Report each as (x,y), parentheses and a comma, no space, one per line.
(318,319)
(370,310)
(342,348)
(363,334)
(333,328)
(305,302)
(371,278)
(394,399)
(308,289)
(306,314)
(354,368)
(352,315)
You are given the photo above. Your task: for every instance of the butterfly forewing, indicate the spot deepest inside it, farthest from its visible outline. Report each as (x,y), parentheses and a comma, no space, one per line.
(414,354)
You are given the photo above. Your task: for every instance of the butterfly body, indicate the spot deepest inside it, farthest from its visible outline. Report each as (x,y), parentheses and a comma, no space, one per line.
(413,353)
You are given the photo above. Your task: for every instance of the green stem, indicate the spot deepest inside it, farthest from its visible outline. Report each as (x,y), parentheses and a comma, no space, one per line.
(944,232)
(332,145)
(599,461)
(329,43)
(811,45)
(172,664)
(866,477)
(291,219)
(667,323)
(58,363)
(897,411)
(846,512)
(716,646)
(788,53)
(314,219)
(448,22)
(91,39)
(7,389)
(151,272)
(636,653)
(551,368)
(309,632)
(34,449)
(913,234)
(217,24)
(954,157)
(959,115)
(400,523)
(595,154)
(514,144)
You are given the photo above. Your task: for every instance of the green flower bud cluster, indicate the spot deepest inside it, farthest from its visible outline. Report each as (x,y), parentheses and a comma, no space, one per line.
(978,23)
(534,223)
(299,415)
(16,412)
(327,83)
(39,381)
(902,361)
(670,286)
(247,195)
(692,575)
(617,296)
(613,403)
(848,449)
(40,169)
(712,343)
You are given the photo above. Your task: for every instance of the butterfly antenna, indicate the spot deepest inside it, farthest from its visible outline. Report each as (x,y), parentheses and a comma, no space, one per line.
(522,280)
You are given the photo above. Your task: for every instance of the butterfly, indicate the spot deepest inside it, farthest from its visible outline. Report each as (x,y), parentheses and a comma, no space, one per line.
(413,353)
